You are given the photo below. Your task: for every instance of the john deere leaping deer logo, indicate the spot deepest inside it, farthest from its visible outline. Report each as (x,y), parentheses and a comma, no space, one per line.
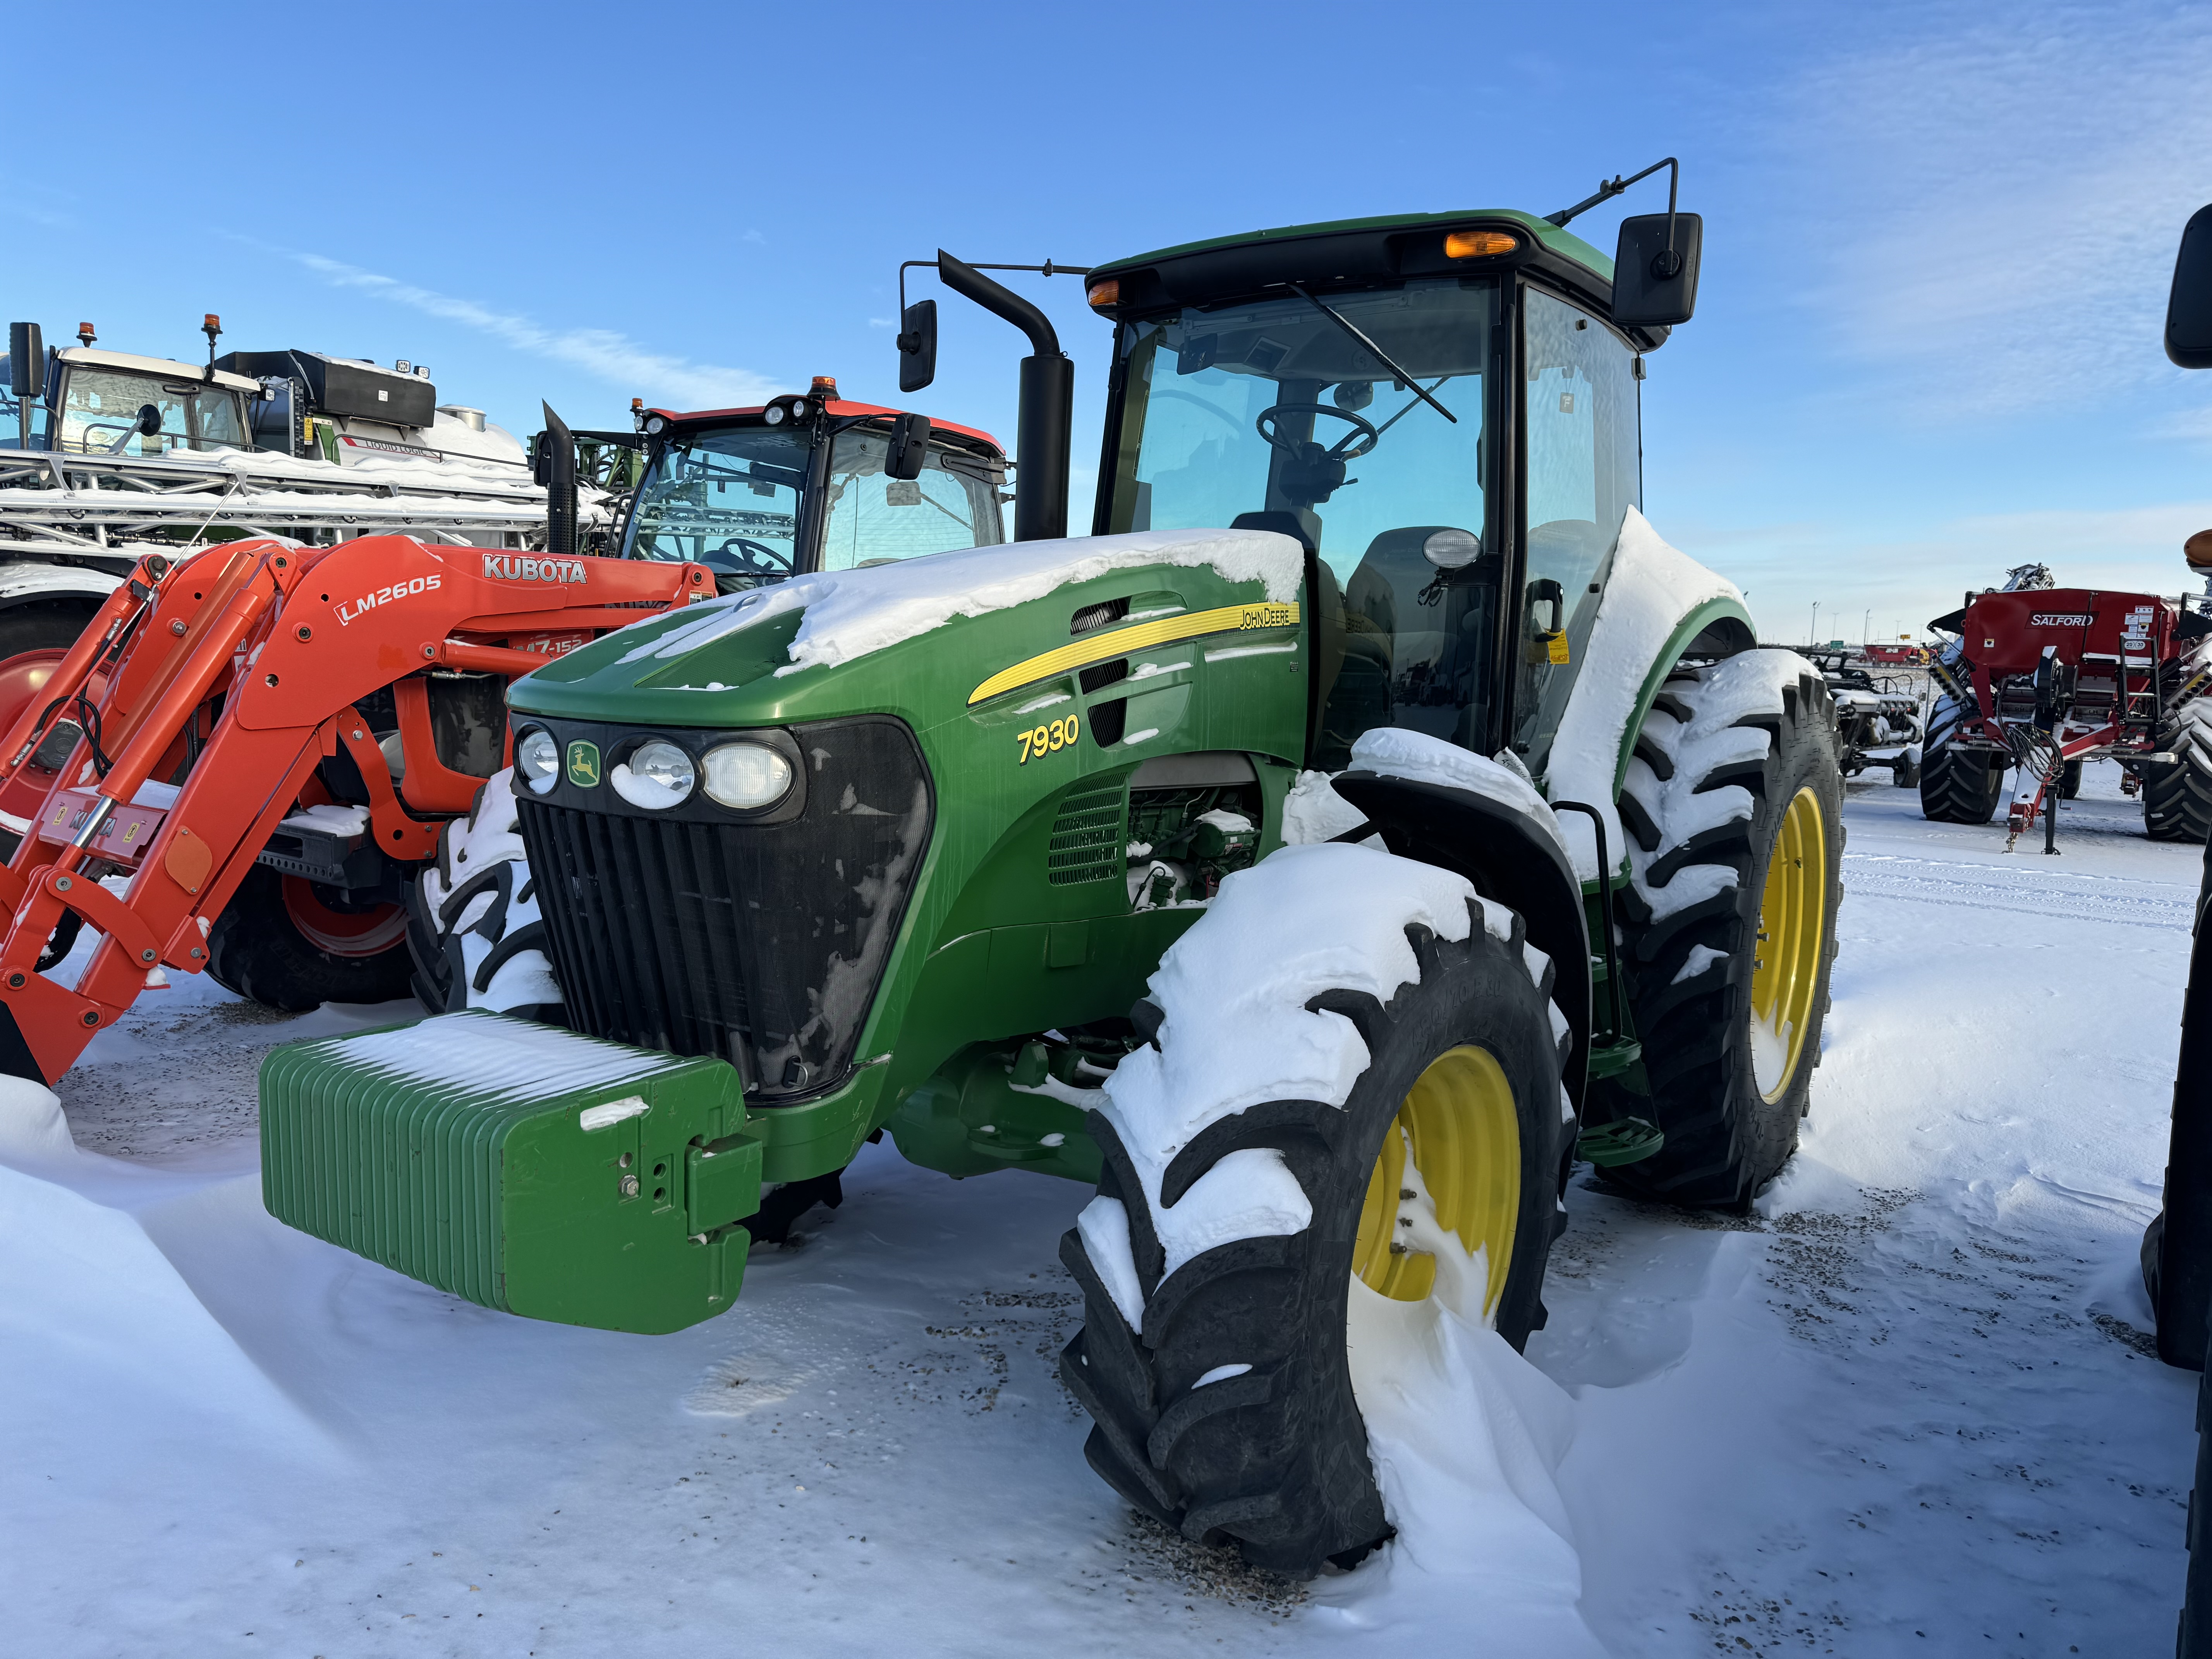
(584,764)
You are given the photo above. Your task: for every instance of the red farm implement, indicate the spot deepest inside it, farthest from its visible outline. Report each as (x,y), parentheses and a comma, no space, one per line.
(267,739)
(2038,679)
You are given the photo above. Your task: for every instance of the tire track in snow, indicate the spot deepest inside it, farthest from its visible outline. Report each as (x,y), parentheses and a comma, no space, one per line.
(2034,892)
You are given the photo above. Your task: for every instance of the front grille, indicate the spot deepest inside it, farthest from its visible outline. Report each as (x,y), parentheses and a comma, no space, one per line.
(1086,844)
(759,942)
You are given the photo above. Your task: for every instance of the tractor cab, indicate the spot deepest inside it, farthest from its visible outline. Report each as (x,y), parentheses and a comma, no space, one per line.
(811,482)
(1441,408)
(87,401)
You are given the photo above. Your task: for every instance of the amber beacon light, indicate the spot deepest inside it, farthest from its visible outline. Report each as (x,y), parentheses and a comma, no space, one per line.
(1479,244)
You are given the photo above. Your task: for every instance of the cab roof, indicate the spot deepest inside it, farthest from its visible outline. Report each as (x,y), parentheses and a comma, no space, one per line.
(837,408)
(1345,253)
(167,368)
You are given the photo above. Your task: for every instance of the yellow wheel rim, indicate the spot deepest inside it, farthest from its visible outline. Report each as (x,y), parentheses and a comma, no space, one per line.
(1462,1135)
(1793,909)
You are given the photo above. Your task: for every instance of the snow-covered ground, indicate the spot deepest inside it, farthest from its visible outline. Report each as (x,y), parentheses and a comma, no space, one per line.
(1906,1408)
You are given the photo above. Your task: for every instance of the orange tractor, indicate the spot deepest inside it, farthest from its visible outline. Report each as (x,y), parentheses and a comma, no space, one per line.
(262,744)
(251,675)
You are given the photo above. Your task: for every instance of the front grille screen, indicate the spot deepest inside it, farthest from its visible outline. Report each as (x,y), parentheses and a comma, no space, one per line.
(759,942)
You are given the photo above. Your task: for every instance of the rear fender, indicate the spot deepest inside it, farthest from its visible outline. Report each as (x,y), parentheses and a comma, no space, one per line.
(1508,857)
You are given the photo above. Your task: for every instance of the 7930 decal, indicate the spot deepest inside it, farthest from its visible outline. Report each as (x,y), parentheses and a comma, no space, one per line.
(1043,739)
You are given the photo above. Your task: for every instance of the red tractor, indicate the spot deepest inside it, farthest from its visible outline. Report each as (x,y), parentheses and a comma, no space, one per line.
(2036,679)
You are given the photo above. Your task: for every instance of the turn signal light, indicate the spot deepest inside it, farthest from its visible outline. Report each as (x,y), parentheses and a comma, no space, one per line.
(1104,295)
(1479,244)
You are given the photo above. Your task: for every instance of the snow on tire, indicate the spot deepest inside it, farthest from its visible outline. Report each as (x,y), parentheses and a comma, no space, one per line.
(1351,1114)
(1732,805)
(472,921)
(1957,786)
(2177,796)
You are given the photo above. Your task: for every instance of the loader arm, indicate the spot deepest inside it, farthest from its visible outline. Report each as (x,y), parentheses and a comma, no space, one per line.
(293,640)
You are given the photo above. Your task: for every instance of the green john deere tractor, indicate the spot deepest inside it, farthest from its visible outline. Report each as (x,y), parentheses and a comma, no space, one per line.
(1371,813)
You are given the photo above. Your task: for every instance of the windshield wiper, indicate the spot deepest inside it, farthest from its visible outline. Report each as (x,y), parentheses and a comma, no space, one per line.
(1411,406)
(1380,355)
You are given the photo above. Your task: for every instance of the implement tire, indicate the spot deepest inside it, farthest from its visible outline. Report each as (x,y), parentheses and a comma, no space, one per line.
(473,928)
(288,945)
(1734,822)
(2178,798)
(1219,1374)
(1957,786)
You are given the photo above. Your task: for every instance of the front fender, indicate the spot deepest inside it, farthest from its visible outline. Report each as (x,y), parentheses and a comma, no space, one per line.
(1508,857)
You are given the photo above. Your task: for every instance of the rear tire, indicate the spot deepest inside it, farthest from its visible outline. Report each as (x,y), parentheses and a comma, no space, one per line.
(1733,810)
(2178,798)
(295,951)
(1957,786)
(473,928)
(1276,1455)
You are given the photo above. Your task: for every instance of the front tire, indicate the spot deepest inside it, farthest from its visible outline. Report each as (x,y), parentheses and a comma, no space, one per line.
(1222,1258)
(473,928)
(288,945)
(1728,929)
(1957,786)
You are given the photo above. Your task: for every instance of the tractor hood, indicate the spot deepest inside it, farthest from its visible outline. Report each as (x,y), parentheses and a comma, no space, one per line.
(924,638)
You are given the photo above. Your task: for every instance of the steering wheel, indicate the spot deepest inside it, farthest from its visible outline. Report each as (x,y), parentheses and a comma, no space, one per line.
(1363,437)
(751,558)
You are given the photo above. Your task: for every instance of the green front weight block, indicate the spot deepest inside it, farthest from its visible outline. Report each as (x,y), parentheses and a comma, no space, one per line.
(521,1166)
(1625,1140)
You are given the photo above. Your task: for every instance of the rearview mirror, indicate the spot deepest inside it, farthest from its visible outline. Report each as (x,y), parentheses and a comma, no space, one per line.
(150,419)
(917,345)
(909,444)
(2189,306)
(27,359)
(1654,286)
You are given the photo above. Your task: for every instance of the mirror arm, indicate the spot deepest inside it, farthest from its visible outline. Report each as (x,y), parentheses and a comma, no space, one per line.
(1609,188)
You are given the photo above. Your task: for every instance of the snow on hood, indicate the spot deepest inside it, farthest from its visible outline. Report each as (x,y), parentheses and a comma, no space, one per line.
(850,613)
(1652,588)
(1397,753)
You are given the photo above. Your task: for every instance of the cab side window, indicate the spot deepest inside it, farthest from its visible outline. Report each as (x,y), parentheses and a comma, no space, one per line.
(1579,413)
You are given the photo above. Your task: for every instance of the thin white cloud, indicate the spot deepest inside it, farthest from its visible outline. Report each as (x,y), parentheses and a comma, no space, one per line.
(610,356)
(883,322)
(1990,202)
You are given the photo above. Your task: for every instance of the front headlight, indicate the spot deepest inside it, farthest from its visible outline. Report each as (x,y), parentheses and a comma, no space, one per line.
(537,758)
(656,775)
(747,776)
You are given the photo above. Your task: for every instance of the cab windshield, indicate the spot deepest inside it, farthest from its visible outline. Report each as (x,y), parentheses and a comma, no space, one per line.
(100,410)
(1288,415)
(728,500)
(875,518)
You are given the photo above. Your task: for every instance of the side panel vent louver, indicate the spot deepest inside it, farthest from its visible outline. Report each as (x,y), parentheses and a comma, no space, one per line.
(1086,838)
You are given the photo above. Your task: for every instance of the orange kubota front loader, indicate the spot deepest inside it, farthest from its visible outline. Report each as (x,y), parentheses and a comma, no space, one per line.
(208,695)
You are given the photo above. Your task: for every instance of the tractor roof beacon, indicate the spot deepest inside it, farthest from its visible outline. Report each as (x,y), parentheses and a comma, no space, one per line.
(1025,857)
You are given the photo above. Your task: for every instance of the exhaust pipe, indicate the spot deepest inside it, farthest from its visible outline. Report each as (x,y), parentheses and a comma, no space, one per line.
(1043,430)
(557,471)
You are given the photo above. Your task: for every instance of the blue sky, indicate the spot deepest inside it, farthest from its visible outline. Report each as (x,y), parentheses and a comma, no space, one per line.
(1937,237)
